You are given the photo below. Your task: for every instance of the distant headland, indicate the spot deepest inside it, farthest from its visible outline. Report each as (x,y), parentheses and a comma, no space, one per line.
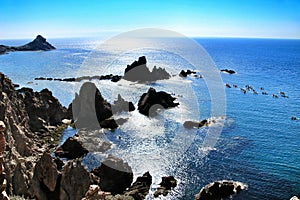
(38,44)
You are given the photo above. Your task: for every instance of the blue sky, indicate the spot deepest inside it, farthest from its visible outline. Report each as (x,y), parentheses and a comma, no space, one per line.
(77,18)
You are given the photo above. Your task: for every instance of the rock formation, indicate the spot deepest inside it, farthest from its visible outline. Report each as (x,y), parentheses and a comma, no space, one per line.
(194,124)
(166,185)
(38,44)
(3,182)
(140,188)
(220,190)
(152,101)
(72,148)
(115,175)
(186,73)
(91,110)
(121,105)
(139,72)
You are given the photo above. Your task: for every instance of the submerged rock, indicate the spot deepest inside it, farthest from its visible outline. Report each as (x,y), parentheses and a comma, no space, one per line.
(140,188)
(166,185)
(194,124)
(228,71)
(220,190)
(38,44)
(152,101)
(115,175)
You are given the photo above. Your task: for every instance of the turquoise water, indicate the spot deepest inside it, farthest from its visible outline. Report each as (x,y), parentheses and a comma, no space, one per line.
(259,144)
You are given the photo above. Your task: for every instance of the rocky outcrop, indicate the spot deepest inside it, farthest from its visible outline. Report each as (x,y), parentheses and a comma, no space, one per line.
(120,105)
(166,185)
(75,181)
(72,148)
(139,72)
(3,182)
(220,190)
(43,109)
(115,175)
(228,71)
(140,188)
(23,146)
(152,101)
(186,73)
(45,181)
(38,44)
(90,110)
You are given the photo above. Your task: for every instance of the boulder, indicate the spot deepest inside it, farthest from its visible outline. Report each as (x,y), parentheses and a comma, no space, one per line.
(75,181)
(115,175)
(166,185)
(72,148)
(220,190)
(152,101)
(90,109)
(140,188)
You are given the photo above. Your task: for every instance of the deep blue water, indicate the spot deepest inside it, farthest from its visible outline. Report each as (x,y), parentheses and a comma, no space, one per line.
(259,144)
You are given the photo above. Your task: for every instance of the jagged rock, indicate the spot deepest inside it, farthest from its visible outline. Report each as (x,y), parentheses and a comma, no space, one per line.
(38,44)
(75,181)
(121,105)
(166,185)
(138,71)
(186,73)
(228,71)
(90,108)
(115,175)
(43,109)
(72,148)
(151,101)
(140,188)
(220,190)
(44,183)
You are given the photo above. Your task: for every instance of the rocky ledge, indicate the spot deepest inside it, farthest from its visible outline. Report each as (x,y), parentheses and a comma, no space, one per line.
(38,44)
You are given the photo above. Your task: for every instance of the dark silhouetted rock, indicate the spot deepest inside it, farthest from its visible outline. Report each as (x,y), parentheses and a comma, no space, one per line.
(121,105)
(138,71)
(72,148)
(90,109)
(186,73)
(75,181)
(220,190)
(115,175)
(228,71)
(166,185)
(140,188)
(38,44)
(151,101)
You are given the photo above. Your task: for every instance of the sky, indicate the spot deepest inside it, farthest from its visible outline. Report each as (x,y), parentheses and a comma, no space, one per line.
(195,18)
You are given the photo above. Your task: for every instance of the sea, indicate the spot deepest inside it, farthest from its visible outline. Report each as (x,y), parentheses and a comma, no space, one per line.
(252,138)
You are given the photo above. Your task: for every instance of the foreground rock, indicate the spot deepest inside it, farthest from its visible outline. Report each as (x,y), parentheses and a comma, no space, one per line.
(115,175)
(138,71)
(140,188)
(152,101)
(90,110)
(38,44)
(220,190)
(72,148)
(166,185)
(25,146)
(3,182)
